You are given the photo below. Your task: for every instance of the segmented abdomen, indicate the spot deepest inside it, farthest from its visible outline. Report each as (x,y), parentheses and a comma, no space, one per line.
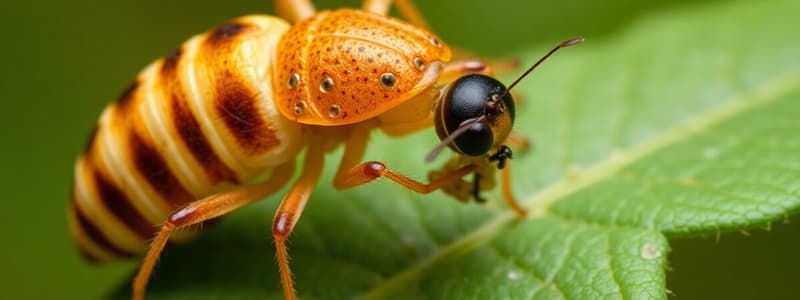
(194,123)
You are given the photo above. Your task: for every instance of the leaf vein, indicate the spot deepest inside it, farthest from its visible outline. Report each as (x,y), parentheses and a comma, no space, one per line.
(611,265)
(510,261)
(539,204)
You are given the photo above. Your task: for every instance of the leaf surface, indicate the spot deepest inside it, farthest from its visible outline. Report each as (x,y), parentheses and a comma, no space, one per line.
(686,123)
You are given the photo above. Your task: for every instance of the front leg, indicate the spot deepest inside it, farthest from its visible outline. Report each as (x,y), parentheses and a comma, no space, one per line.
(407,9)
(485,171)
(371,170)
(294,10)
(351,174)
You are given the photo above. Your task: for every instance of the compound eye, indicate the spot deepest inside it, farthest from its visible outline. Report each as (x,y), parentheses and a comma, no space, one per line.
(477,140)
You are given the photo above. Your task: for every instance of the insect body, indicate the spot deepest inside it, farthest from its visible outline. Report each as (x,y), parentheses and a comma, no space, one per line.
(192,124)
(209,115)
(183,144)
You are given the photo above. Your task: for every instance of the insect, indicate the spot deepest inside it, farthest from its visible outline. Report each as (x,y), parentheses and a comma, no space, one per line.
(184,143)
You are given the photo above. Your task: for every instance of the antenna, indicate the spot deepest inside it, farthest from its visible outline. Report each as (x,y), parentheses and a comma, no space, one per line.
(450,138)
(464,126)
(563,44)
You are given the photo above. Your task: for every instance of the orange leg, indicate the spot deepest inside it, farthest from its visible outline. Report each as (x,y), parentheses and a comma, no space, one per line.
(466,65)
(410,12)
(502,66)
(407,9)
(456,69)
(371,170)
(203,210)
(508,194)
(350,175)
(290,210)
(294,10)
(377,6)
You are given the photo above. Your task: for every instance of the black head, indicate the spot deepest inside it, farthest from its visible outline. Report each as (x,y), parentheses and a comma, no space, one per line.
(475,99)
(476,113)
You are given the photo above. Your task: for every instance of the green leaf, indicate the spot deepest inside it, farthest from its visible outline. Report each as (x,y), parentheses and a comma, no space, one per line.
(684,124)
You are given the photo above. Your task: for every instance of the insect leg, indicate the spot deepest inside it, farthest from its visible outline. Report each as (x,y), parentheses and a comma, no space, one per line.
(505,65)
(466,64)
(508,195)
(371,170)
(377,6)
(290,210)
(206,209)
(407,9)
(476,188)
(350,175)
(456,69)
(294,10)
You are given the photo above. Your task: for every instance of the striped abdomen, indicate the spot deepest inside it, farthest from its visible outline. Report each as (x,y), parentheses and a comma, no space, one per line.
(192,124)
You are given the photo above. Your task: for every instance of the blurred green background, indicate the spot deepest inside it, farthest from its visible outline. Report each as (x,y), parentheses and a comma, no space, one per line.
(63,60)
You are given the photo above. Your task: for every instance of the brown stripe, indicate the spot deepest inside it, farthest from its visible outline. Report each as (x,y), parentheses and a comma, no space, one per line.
(90,143)
(170,64)
(236,104)
(120,206)
(96,236)
(155,170)
(125,99)
(226,32)
(188,127)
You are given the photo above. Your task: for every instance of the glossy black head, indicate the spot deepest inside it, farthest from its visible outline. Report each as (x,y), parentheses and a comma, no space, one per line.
(475,101)
(477,112)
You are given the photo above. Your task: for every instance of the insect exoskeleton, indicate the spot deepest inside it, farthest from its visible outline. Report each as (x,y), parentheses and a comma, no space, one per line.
(192,124)
(207,117)
(347,66)
(185,142)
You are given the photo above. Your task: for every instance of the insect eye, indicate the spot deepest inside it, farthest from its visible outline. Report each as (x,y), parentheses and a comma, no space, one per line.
(477,140)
